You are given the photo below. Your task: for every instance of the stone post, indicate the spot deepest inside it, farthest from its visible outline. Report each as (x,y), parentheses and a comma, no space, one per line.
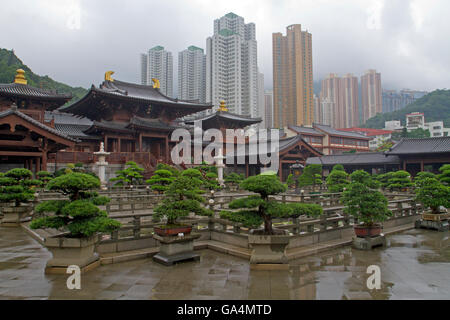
(220,165)
(101,163)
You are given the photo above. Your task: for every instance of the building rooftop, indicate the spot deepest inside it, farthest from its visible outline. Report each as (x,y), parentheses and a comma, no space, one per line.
(421,146)
(367,131)
(355,159)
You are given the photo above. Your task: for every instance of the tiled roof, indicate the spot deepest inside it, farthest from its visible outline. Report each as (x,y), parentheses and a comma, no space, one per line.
(23,90)
(227,117)
(367,131)
(355,159)
(75,130)
(16,112)
(306,130)
(331,131)
(421,146)
(150,123)
(66,118)
(109,125)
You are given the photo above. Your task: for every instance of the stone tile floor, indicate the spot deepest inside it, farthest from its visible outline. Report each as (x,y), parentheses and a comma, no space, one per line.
(414,266)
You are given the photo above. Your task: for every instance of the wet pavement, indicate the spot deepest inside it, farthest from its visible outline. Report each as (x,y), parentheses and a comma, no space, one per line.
(415,265)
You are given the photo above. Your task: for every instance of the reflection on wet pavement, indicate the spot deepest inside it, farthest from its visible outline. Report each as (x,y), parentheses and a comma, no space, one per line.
(415,265)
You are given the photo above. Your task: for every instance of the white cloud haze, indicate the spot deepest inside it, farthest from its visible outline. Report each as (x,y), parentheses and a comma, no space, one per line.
(407,41)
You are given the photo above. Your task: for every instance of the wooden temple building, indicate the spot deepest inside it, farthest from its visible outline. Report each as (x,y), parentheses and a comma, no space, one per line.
(135,123)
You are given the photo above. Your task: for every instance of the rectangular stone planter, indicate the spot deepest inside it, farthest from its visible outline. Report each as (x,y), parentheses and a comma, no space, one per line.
(175,249)
(13,216)
(268,249)
(71,251)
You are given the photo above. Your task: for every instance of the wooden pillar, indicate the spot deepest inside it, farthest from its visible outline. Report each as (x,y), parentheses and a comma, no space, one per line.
(106,144)
(421,166)
(167,150)
(38,164)
(280,170)
(404,164)
(246,169)
(118,145)
(140,142)
(44,160)
(158,150)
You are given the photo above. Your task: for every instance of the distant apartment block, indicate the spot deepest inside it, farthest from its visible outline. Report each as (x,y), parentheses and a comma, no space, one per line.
(378,136)
(371,94)
(261,101)
(393,100)
(231,65)
(158,64)
(192,74)
(416,120)
(268,109)
(293,98)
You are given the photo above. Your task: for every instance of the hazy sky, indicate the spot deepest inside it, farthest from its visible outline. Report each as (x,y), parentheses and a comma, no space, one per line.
(76,41)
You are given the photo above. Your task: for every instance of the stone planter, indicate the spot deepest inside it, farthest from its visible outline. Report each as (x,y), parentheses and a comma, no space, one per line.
(13,216)
(71,251)
(176,249)
(434,221)
(268,249)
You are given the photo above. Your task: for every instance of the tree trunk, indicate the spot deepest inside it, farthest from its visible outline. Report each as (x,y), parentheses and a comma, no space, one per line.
(267,224)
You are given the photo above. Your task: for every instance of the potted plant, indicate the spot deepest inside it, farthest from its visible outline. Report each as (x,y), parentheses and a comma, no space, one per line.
(160,180)
(233,180)
(131,175)
(183,196)
(337,180)
(79,219)
(268,244)
(368,206)
(399,181)
(433,194)
(16,191)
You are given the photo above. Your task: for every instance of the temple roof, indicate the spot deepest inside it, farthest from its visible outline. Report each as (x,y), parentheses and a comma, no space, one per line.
(224,119)
(144,99)
(421,146)
(333,132)
(363,158)
(14,111)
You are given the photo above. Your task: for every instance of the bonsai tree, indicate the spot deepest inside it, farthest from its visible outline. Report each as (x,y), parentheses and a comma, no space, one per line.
(444,177)
(290,182)
(363,202)
(17,186)
(44,177)
(184,195)
(258,209)
(337,180)
(339,167)
(233,179)
(433,194)
(211,181)
(399,180)
(132,174)
(79,215)
(311,176)
(383,179)
(164,166)
(161,180)
(422,176)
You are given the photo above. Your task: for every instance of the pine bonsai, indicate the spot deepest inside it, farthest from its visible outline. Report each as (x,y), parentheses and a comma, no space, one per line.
(290,181)
(258,209)
(18,186)
(132,174)
(79,215)
(383,179)
(337,180)
(433,194)
(444,177)
(184,195)
(161,180)
(44,177)
(163,166)
(399,180)
(311,176)
(339,167)
(362,201)
(422,176)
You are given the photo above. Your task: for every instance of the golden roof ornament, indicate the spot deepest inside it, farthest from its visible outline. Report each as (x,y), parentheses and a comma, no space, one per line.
(20,77)
(223,107)
(108,76)
(156,84)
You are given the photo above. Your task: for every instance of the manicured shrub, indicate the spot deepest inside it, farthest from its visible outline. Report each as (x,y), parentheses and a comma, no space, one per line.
(163,166)
(444,177)
(433,194)
(258,209)
(132,174)
(339,167)
(311,176)
(399,180)
(161,180)
(79,215)
(44,177)
(367,205)
(383,179)
(337,180)
(290,182)
(16,185)
(184,195)
(421,176)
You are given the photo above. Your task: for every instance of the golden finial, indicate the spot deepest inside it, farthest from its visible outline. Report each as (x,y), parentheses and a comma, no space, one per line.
(108,76)
(156,84)
(20,77)
(222,106)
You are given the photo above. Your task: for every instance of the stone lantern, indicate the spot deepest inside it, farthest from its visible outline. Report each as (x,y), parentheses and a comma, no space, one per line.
(101,163)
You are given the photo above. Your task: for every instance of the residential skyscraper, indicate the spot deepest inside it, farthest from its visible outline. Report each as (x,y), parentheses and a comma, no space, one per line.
(317,110)
(158,65)
(192,74)
(261,102)
(268,109)
(231,65)
(393,100)
(292,77)
(371,94)
(331,92)
(349,90)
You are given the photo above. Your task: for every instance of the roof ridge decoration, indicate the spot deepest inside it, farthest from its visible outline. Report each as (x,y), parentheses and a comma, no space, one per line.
(223,107)
(156,84)
(108,76)
(20,77)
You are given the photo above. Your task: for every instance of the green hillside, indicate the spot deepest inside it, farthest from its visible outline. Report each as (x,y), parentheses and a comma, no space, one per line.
(435,106)
(9,63)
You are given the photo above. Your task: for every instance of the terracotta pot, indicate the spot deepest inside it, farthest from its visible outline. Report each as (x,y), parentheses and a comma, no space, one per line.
(363,231)
(172,231)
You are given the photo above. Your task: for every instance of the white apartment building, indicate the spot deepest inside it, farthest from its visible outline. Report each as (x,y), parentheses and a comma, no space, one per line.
(192,74)
(158,64)
(231,66)
(416,120)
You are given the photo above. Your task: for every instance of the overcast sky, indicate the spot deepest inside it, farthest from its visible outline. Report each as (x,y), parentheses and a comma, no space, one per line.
(406,40)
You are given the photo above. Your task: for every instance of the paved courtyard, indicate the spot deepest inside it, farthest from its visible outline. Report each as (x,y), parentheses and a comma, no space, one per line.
(414,266)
